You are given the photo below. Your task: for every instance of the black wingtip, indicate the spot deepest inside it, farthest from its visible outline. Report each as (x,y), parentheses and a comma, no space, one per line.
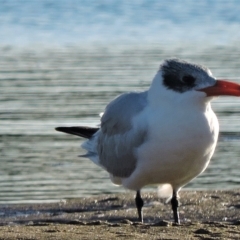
(62,129)
(68,130)
(59,129)
(80,131)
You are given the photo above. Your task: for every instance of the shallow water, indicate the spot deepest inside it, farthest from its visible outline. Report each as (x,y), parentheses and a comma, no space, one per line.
(40,90)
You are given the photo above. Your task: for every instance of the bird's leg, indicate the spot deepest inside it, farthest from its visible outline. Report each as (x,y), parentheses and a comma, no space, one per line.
(139,204)
(175,204)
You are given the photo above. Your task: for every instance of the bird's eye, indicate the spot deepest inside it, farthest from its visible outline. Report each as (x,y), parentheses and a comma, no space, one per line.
(188,79)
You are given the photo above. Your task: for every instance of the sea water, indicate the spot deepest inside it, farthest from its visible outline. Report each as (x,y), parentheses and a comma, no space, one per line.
(62,61)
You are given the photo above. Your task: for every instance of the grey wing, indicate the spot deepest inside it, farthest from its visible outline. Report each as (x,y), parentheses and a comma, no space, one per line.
(118,137)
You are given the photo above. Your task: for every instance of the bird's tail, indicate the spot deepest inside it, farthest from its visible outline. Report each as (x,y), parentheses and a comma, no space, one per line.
(85,132)
(90,145)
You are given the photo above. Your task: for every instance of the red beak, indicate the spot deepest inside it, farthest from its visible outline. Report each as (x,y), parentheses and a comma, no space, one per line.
(222,87)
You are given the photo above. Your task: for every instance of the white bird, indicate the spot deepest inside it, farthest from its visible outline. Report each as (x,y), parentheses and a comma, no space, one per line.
(166,134)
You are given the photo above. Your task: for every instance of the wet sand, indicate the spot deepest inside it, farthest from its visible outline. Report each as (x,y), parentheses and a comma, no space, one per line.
(204,215)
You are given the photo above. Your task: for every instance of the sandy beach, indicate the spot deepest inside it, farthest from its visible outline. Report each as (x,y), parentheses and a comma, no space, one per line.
(204,215)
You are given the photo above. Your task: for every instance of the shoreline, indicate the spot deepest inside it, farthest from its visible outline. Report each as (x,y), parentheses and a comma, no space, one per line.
(203,214)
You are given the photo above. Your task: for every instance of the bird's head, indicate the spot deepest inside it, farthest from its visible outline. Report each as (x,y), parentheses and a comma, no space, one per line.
(187,79)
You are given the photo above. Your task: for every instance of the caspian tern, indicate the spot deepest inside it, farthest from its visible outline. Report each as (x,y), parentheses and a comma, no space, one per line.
(166,134)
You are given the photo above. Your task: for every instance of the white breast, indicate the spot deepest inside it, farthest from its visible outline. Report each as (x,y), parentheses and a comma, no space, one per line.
(178,147)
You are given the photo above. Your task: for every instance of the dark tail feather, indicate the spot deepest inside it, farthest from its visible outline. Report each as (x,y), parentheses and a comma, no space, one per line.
(85,132)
